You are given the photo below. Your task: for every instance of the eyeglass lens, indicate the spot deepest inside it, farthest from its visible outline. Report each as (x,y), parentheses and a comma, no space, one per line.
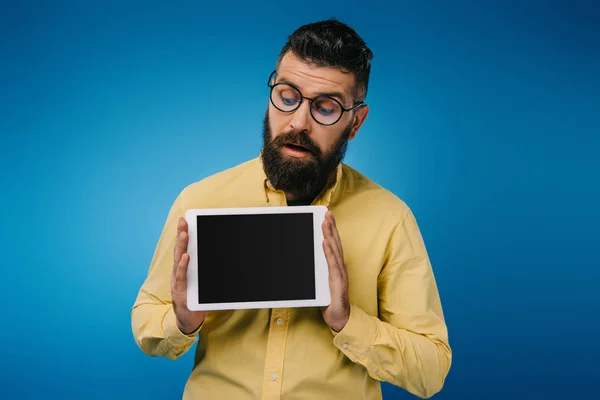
(323,109)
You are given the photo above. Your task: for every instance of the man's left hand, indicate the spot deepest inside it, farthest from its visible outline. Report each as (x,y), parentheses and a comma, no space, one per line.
(337,313)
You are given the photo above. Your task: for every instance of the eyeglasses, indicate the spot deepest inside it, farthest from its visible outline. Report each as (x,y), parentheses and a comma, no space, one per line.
(324,109)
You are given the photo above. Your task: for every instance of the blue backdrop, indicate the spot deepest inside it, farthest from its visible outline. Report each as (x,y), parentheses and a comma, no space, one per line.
(484,119)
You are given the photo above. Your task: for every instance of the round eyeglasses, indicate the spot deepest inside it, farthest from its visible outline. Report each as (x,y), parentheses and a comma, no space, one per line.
(324,109)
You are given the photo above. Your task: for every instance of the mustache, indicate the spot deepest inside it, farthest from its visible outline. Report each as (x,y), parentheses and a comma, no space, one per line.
(298,139)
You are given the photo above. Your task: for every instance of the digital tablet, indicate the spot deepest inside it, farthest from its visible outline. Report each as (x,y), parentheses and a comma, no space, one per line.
(259,257)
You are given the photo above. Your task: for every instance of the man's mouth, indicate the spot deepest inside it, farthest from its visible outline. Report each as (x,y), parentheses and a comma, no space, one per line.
(297,147)
(296,150)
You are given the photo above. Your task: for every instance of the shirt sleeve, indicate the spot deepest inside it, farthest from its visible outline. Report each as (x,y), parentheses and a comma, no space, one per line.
(153,319)
(407,344)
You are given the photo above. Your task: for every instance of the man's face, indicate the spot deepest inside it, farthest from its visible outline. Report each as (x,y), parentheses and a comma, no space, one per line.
(299,154)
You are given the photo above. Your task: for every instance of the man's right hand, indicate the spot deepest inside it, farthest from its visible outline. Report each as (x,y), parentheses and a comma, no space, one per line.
(187,321)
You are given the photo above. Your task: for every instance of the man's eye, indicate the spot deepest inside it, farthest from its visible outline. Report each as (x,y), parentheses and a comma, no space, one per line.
(325,111)
(288,101)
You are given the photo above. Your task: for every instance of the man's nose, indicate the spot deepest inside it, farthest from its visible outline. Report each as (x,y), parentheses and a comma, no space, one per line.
(301,117)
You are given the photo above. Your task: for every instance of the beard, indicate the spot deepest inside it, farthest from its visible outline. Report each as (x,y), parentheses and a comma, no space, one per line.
(305,177)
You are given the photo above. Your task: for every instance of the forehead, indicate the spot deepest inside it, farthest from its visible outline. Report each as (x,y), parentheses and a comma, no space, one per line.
(313,80)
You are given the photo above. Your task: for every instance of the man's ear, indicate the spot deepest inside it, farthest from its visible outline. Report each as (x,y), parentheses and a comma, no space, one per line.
(359,117)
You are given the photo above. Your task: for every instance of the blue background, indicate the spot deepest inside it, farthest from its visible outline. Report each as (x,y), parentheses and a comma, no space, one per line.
(484,119)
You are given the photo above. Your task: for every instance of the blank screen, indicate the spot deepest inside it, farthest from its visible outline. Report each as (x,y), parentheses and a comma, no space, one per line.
(261,257)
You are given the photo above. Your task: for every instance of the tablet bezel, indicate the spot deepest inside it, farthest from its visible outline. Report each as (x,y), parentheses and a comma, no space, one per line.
(322,293)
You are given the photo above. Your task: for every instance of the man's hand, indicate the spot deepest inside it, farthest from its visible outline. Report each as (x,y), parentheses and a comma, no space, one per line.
(187,321)
(337,313)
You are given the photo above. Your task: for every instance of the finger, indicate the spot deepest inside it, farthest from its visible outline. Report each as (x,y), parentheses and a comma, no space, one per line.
(180,245)
(328,233)
(326,230)
(181,239)
(180,221)
(183,225)
(332,263)
(181,274)
(335,245)
(336,234)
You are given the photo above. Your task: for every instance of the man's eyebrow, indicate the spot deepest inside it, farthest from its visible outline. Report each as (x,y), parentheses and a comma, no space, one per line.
(339,95)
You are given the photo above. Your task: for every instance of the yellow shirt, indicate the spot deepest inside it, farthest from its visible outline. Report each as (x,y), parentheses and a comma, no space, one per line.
(396,332)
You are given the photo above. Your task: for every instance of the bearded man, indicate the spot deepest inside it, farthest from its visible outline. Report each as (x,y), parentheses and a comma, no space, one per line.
(385,321)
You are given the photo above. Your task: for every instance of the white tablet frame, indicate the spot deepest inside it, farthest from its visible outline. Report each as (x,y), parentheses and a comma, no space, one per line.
(322,292)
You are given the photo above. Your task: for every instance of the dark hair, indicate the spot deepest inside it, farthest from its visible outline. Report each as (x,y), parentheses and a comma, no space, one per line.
(331,43)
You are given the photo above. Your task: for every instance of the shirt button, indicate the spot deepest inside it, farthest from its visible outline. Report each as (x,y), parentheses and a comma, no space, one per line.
(345,345)
(374,369)
(279,321)
(273,377)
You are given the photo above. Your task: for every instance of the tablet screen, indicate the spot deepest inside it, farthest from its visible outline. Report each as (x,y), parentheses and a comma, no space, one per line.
(257,257)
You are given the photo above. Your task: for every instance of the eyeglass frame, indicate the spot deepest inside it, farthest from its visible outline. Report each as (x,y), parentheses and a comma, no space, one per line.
(362,103)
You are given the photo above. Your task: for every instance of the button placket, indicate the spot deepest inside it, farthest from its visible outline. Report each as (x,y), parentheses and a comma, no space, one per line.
(272,381)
